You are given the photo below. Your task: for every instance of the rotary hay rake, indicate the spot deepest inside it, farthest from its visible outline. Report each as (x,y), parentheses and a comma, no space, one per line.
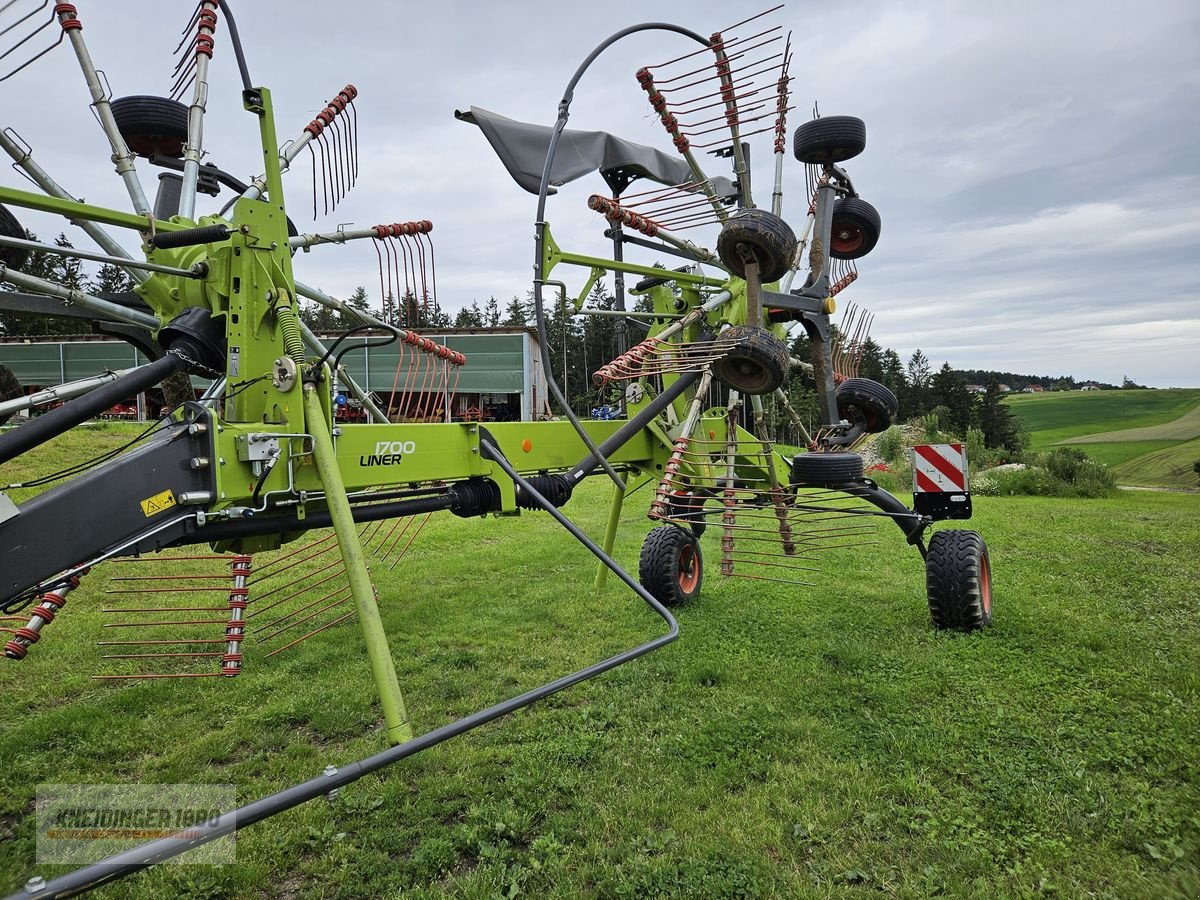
(261,459)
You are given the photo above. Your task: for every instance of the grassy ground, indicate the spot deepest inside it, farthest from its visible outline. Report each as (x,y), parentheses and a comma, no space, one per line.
(797,741)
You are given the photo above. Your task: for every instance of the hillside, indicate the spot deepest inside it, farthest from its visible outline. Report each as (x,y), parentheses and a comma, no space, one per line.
(1148,437)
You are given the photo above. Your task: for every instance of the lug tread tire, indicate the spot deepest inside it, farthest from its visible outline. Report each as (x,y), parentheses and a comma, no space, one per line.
(958,580)
(152,124)
(16,257)
(869,401)
(758,362)
(659,567)
(769,237)
(826,469)
(832,139)
(855,229)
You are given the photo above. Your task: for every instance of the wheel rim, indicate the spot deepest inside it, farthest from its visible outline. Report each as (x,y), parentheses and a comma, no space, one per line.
(689,568)
(744,374)
(846,238)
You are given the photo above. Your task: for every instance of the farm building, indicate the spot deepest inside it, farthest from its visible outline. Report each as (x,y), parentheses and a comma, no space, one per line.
(502,379)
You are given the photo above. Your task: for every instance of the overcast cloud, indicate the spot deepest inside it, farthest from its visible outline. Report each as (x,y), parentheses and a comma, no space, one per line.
(1035,164)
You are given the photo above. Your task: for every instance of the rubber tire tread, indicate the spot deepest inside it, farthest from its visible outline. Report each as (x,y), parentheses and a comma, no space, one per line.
(826,469)
(152,124)
(831,139)
(954,569)
(760,347)
(869,397)
(859,214)
(658,565)
(771,238)
(10,389)
(16,257)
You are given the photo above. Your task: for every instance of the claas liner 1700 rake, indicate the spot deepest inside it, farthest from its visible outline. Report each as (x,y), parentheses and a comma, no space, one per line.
(263,458)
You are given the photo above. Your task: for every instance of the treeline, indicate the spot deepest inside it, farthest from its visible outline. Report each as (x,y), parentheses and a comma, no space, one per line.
(69,273)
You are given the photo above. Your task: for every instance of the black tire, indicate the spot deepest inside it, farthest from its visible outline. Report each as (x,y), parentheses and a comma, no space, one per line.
(868,403)
(758,362)
(826,469)
(958,580)
(767,237)
(152,125)
(832,139)
(687,507)
(16,257)
(855,229)
(10,389)
(671,567)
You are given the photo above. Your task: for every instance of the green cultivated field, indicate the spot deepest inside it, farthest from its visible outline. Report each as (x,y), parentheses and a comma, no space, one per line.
(796,741)
(1148,438)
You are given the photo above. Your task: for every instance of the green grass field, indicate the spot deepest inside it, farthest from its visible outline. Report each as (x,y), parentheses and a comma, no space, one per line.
(1148,438)
(796,741)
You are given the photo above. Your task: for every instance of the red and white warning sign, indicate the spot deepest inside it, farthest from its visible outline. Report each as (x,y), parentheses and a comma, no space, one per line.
(939,468)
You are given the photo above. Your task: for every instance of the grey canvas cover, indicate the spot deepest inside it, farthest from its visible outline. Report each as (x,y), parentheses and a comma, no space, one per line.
(522,148)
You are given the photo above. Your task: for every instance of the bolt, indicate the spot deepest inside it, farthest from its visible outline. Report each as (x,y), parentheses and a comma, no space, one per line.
(35,884)
(199,462)
(330,771)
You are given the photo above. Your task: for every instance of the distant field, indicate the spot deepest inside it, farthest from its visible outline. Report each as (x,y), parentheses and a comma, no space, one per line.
(1071,414)
(1148,438)
(1170,467)
(1184,428)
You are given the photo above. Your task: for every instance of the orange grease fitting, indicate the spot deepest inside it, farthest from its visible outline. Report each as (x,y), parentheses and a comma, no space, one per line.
(527,445)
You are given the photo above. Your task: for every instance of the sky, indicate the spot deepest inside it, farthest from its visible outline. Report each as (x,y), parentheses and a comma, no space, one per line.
(1035,165)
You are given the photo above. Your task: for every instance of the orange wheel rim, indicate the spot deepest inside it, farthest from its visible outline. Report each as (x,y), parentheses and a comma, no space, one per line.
(689,568)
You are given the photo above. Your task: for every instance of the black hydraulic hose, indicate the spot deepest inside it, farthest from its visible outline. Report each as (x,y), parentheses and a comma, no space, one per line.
(585,466)
(148,854)
(236,40)
(73,412)
(539,243)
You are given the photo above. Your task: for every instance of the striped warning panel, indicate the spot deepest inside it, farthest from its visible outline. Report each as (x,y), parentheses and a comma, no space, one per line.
(939,468)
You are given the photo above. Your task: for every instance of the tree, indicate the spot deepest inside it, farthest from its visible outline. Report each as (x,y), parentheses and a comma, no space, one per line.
(469,316)
(53,267)
(517,314)
(110,279)
(948,389)
(892,377)
(916,399)
(999,426)
(491,313)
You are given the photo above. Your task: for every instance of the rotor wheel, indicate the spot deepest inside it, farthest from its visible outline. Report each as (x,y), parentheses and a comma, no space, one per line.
(867,403)
(765,237)
(855,229)
(10,227)
(827,470)
(152,125)
(758,362)
(958,580)
(671,567)
(832,139)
